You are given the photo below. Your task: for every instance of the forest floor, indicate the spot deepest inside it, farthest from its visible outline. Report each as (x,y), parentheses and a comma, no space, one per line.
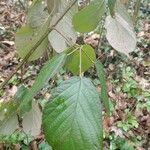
(128,79)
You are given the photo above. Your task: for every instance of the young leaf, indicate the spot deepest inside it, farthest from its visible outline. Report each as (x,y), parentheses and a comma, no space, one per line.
(72,120)
(63,34)
(88,18)
(26,38)
(48,71)
(32,120)
(120,34)
(87,58)
(102,78)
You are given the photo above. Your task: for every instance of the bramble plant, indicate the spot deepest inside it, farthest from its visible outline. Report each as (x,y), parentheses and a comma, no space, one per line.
(72,119)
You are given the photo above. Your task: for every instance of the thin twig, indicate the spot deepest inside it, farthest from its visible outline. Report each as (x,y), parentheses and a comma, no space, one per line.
(80,65)
(136,11)
(31,51)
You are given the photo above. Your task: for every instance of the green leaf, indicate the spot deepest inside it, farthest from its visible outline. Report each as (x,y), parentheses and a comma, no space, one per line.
(26,38)
(9,111)
(72,119)
(87,59)
(48,71)
(102,78)
(37,14)
(111,5)
(88,18)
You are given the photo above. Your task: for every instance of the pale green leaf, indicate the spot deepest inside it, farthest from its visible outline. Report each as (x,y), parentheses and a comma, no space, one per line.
(26,38)
(72,119)
(87,59)
(102,78)
(88,18)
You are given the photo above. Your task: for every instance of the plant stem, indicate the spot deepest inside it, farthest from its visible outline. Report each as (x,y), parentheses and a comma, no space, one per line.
(136,11)
(37,44)
(80,65)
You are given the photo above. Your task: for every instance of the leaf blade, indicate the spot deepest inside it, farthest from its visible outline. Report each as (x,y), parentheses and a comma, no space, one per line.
(48,71)
(120,34)
(72,120)
(102,78)
(93,12)
(87,55)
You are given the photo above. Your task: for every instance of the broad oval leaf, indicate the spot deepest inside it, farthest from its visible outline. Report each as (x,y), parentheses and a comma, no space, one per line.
(63,34)
(32,120)
(27,37)
(120,34)
(102,78)
(87,59)
(72,120)
(88,18)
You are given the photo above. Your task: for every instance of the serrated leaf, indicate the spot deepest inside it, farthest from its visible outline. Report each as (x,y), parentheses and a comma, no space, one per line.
(48,71)
(64,34)
(37,14)
(120,34)
(87,58)
(26,38)
(72,119)
(32,120)
(102,78)
(88,18)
